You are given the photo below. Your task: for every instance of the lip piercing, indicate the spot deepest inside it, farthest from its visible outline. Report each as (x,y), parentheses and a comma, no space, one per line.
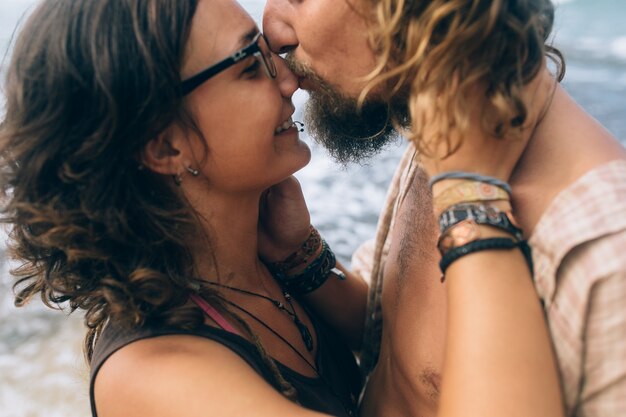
(301,127)
(192,171)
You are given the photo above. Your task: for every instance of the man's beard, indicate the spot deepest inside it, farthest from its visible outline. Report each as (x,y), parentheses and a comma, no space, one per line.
(350,133)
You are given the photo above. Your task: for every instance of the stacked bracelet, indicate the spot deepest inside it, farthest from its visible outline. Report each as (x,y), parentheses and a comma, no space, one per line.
(315,274)
(467,205)
(303,255)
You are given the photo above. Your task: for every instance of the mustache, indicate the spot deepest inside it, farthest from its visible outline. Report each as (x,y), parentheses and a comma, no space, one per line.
(302,70)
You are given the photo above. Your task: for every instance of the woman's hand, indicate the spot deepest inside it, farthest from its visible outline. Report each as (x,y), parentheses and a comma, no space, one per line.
(283,220)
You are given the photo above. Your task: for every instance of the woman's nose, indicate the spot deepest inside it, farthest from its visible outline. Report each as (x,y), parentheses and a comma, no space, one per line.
(287,81)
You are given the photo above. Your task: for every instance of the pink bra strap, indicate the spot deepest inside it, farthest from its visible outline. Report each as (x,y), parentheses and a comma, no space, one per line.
(213,313)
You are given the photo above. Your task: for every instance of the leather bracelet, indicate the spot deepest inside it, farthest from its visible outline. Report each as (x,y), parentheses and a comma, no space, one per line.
(499,243)
(480,214)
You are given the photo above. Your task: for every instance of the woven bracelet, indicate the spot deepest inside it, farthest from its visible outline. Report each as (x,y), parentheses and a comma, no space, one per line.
(499,243)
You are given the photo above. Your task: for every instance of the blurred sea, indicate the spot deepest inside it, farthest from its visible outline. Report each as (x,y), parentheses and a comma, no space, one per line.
(42,371)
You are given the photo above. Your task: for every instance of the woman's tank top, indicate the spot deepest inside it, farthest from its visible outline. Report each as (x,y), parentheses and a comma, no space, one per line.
(335,393)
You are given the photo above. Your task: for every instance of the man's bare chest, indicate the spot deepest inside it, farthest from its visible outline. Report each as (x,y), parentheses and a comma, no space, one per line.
(414,299)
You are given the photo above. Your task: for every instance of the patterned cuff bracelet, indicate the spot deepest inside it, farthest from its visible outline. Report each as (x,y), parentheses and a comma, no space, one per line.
(481,214)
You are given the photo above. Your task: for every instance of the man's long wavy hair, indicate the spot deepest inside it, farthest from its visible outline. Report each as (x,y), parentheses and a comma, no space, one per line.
(441,50)
(90,83)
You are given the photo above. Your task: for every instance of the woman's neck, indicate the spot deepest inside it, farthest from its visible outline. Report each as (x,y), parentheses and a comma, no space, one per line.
(226,247)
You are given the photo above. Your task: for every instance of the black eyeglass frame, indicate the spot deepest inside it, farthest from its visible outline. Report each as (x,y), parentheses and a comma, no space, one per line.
(252,49)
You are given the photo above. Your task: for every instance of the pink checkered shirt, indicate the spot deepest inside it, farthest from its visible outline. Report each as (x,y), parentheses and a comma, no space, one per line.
(579,254)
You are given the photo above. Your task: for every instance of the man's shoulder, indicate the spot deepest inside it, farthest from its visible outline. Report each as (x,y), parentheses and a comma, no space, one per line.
(591,208)
(581,235)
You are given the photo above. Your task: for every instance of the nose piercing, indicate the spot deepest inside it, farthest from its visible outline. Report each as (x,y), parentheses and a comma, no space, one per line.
(301,127)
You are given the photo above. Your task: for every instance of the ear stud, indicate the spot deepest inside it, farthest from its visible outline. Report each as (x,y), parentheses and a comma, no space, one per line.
(192,171)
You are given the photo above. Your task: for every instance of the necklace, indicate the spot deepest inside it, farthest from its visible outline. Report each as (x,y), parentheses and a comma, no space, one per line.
(305,333)
(267,326)
(348,406)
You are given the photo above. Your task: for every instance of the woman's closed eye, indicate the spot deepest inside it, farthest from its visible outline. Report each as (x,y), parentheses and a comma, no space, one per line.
(252,69)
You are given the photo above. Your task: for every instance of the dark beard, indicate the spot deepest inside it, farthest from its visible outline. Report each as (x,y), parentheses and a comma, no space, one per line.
(349,133)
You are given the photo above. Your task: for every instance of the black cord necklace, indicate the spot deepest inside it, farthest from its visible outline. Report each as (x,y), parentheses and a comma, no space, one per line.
(348,406)
(268,327)
(305,333)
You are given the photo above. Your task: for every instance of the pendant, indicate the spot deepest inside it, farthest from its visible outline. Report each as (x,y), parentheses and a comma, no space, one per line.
(305,334)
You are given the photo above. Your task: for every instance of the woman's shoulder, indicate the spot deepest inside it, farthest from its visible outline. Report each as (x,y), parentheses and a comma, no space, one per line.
(164,375)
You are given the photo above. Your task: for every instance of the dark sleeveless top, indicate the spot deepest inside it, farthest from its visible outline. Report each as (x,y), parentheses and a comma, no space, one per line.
(335,393)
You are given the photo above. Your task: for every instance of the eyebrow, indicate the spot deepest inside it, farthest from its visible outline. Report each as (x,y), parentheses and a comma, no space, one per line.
(248,36)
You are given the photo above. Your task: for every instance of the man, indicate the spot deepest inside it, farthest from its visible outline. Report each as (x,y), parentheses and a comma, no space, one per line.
(569,188)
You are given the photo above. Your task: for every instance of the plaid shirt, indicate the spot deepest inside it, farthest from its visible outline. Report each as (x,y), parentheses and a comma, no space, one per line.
(579,254)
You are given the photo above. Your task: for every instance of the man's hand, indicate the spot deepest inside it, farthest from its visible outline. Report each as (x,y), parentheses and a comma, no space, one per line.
(283,220)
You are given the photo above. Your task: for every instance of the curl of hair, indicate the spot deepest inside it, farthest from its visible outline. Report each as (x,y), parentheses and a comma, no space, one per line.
(442,49)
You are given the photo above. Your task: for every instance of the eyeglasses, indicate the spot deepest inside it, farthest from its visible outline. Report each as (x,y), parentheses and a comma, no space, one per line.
(257,48)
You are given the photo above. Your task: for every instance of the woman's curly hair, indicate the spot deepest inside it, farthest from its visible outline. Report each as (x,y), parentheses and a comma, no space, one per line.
(441,50)
(90,83)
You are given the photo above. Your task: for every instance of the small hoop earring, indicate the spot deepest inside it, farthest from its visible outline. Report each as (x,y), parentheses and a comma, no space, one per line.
(192,171)
(177,179)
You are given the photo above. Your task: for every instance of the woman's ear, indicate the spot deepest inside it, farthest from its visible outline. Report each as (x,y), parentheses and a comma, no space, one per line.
(164,153)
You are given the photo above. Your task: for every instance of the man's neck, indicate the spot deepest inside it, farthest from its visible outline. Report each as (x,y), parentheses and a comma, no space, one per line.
(565,144)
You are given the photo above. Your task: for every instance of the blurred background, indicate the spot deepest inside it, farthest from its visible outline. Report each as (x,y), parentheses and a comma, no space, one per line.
(42,370)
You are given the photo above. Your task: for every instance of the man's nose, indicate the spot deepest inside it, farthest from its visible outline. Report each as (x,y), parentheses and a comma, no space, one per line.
(278,25)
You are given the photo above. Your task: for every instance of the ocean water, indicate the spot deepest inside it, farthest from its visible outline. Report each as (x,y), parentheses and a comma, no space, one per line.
(42,372)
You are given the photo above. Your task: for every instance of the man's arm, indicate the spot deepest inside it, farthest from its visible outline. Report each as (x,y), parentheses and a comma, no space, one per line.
(342,304)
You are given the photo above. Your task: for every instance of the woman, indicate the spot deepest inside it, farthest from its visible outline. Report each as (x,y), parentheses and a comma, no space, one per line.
(135,197)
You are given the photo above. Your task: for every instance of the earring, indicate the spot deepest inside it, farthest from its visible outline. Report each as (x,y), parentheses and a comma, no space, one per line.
(177,179)
(192,171)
